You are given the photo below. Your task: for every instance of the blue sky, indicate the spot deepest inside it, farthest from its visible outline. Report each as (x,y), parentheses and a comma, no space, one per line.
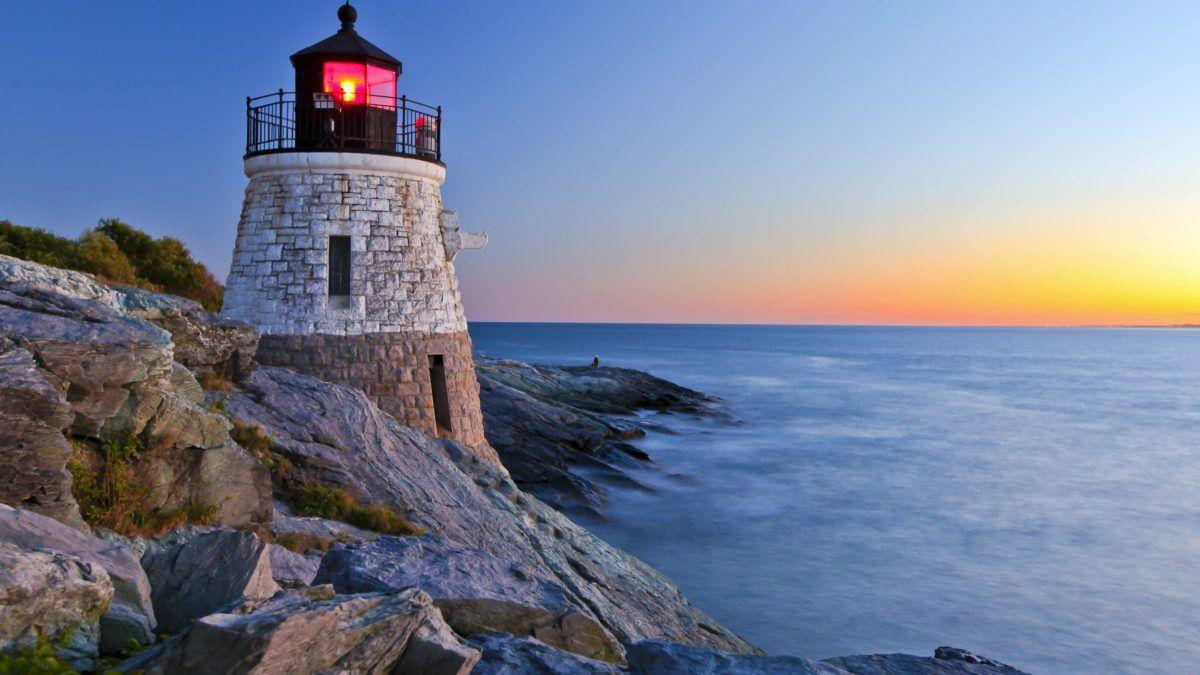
(673,161)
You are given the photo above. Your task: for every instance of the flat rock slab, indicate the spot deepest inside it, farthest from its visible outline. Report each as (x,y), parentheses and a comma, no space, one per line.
(310,632)
(504,654)
(207,572)
(945,661)
(657,656)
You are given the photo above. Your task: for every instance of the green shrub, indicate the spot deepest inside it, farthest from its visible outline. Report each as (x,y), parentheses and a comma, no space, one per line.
(117,253)
(38,658)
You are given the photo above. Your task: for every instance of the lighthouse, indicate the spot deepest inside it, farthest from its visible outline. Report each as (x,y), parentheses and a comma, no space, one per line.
(344,259)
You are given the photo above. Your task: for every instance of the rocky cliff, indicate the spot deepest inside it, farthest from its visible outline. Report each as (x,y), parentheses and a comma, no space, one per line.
(271,522)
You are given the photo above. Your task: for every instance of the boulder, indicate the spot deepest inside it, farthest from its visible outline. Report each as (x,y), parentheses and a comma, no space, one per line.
(207,572)
(435,648)
(657,656)
(569,631)
(945,661)
(118,376)
(207,343)
(53,594)
(308,632)
(439,567)
(293,570)
(504,654)
(514,545)
(33,416)
(476,592)
(131,613)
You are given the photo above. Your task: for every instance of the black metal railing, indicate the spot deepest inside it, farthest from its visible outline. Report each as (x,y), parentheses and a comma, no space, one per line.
(277,122)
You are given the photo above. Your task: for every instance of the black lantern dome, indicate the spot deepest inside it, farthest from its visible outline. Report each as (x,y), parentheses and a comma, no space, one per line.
(347,44)
(345,99)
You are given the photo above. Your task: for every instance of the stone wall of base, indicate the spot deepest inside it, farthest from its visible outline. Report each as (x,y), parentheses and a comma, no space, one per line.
(394,370)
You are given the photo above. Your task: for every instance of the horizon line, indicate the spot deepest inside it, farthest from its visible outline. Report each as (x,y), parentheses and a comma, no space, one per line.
(1185,326)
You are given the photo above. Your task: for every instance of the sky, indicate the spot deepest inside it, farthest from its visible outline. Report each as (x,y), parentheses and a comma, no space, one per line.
(700,162)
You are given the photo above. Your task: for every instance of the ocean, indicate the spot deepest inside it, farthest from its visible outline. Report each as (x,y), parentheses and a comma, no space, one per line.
(1029,494)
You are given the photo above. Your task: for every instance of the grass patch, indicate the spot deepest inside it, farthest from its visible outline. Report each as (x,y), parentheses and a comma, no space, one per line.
(302,543)
(108,496)
(310,499)
(212,381)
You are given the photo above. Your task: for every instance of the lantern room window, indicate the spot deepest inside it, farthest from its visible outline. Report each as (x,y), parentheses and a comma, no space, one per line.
(360,84)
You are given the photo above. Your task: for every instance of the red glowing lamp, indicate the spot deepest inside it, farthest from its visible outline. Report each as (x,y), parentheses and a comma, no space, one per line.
(359,84)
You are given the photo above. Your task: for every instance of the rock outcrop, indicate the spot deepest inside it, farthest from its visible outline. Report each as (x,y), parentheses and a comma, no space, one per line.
(503,654)
(945,661)
(206,343)
(562,431)
(476,592)
(33,416)
(117,375)
(196,578)
(131,613)
(314,631)
(55,595)
(336,436)
(656,656)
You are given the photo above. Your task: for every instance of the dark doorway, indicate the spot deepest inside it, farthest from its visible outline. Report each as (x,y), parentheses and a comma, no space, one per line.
(441,397)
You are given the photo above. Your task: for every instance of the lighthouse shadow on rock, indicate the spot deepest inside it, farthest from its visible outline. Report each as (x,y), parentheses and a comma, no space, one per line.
(344,260)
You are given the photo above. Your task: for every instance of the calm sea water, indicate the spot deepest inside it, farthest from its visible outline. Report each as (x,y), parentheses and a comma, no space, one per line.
(1029,494)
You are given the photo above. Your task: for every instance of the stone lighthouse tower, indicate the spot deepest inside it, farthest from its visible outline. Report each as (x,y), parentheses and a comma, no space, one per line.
(344,259)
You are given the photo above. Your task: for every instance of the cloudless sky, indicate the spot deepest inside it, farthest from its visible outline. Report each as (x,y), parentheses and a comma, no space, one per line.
(784,162)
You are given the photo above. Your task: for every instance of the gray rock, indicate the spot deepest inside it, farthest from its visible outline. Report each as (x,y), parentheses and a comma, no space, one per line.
(657,656)
(607,390)
(317,528)
(52,593)
(131,614)
(295,633)
(205,342)
(334,435)
(569,631)
(507,655)
(119,377)
(293,570)
(476,592)
(185,383)
(198,577)
(561,431)
(435,648)
(66,282)
(946,661)
(33,416)
(440,568)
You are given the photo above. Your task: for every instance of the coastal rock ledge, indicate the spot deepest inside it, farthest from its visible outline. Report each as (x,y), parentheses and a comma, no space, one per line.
(163,494)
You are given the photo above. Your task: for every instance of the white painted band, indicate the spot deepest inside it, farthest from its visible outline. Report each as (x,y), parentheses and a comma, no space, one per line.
(345,162)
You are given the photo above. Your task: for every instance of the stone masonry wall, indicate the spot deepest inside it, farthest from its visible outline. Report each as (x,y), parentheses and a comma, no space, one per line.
(393,369)
(400,277)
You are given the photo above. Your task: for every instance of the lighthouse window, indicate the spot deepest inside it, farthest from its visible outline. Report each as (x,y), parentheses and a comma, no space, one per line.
(441,397)
(339,266)
(359,83)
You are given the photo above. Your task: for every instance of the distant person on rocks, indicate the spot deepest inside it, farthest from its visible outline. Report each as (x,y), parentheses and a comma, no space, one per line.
(595,361)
